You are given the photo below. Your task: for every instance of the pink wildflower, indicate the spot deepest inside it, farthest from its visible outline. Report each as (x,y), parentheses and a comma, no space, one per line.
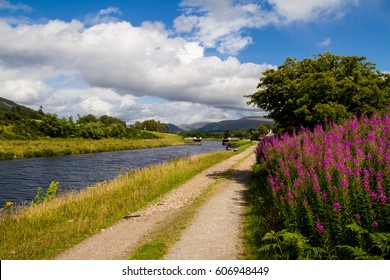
(337,207)
(358,217)
(320,227)
(382,198)
(344,183)
(316,188)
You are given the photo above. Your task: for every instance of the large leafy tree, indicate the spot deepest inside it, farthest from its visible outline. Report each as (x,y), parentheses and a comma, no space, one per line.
(304,93)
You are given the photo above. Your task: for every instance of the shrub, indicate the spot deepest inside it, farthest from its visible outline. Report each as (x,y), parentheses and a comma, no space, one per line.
(324,181)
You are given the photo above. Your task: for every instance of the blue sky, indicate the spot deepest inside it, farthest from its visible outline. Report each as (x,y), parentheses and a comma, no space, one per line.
(176,61)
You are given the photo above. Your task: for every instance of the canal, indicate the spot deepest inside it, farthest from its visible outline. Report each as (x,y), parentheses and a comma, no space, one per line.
(20,179)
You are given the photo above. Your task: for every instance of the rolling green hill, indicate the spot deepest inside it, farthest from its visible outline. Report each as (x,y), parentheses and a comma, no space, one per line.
(8,106)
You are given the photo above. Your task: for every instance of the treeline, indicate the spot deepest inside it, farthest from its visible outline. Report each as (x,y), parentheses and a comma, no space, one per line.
(251,133)
(14,125)
(152,125)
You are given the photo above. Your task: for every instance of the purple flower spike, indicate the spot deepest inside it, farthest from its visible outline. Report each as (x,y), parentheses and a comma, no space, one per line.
(337,207)
(320,227)
(358,217)
(375,224)
(316,188)
(344,183)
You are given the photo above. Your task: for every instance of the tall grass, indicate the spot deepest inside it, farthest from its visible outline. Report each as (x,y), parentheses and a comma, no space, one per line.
(43,230)
(57,146)
(329,187)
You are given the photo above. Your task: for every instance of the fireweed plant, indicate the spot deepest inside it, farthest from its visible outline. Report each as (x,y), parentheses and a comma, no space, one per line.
(332,186)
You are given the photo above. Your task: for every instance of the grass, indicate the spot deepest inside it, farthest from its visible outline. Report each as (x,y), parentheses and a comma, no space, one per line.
(259,216)
(44,230)
(10,149)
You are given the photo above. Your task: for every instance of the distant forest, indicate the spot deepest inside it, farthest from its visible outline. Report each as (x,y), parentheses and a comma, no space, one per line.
(22,123)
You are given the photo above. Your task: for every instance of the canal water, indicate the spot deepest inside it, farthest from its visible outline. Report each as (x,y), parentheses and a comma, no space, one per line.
(20,179)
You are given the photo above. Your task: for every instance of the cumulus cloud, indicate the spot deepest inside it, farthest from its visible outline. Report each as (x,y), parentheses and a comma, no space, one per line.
(118,64)
(221,24)
(24,91)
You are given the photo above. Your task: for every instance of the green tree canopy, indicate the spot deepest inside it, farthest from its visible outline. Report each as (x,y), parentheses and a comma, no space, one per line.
(87,119)
(304,93)
(107,120)
(151,125)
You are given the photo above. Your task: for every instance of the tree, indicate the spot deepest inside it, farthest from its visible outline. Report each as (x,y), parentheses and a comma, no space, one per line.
(304,93)
(50,125)
(87,119)
(152,125)
(107,120)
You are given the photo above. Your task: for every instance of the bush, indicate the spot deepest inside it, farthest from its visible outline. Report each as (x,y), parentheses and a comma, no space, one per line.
(322,182)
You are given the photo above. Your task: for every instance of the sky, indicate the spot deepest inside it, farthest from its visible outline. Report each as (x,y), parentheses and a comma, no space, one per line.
(177,61)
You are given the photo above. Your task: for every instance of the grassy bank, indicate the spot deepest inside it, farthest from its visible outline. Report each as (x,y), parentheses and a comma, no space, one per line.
(43,230)
(10,149)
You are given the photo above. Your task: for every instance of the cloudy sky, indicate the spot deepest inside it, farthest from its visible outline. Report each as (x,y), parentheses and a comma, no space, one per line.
(177,61)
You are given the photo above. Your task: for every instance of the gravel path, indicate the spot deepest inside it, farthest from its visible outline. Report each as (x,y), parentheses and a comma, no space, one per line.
(122,238)
(216,230)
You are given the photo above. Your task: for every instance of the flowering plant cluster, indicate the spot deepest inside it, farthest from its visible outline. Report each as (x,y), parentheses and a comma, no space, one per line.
(324,180)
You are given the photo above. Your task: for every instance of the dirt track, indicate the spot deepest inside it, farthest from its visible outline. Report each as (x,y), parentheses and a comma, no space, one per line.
(214,233)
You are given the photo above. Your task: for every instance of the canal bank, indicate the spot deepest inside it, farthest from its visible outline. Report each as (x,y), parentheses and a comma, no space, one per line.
(20,179)
(43,230)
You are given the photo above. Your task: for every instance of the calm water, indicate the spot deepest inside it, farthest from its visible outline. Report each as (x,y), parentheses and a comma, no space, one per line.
(19,179)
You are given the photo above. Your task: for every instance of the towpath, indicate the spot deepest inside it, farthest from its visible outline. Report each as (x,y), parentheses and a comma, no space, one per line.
(215,232)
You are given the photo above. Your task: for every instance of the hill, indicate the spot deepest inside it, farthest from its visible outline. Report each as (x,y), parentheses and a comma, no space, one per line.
(174,128)
(8,106)
(243,123)
(193,126)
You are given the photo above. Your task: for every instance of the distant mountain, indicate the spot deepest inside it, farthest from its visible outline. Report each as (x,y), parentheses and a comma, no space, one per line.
(8,106)
(243,123)
(193,126)
(174,128)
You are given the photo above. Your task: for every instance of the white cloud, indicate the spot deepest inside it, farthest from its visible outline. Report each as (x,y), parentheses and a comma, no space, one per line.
(110,14)
(221,24)
(326,42)
(6,5)
(304,10)
(15,13)
(118,63)
(24,91)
